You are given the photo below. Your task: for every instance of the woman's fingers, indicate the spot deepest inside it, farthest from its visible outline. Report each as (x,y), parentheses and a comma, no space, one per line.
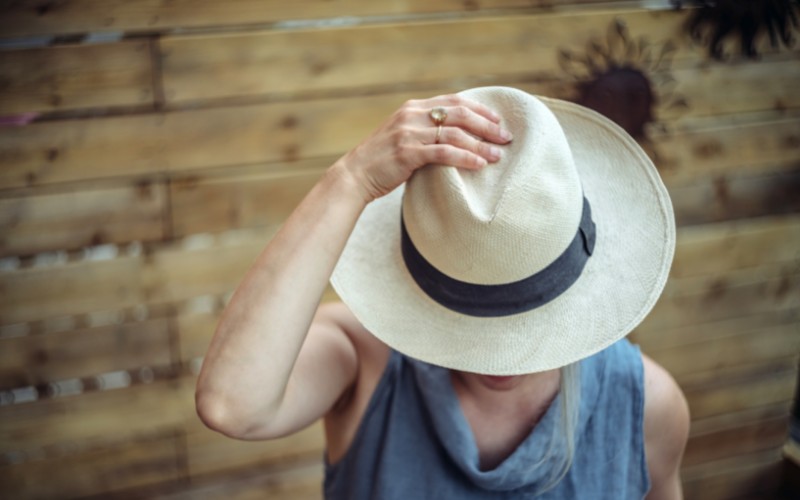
(469,115)
(453,100)
(460,139)
(447,154)
(467,138)
(466,118)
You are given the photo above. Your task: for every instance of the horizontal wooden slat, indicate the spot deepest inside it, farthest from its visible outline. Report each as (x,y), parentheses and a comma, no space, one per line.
(732,420)
(31,17)
(181,274)
(217,67)
(736,245)
(208,452)
(38,359)
(256,198)
(92,420)
(682,157)
(31,222)
(295,481)
(652,338)
(95,419)
(210,67)
(735,87)
(95,472)
(69,150)
(748,438)
(75,77)
(705,360)
(74,288)
(755,475)
(728,396)
(720,301)
(726,197)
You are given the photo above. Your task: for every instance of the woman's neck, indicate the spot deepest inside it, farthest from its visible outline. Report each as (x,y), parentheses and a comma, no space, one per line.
(525,393)
(503,411)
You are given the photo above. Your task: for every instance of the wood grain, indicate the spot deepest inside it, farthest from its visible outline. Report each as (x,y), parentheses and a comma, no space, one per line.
(81,216)
(720,300)
(98,471)
(180,274)
(68,150)
(751,437)
(31,17)
(72,150)
(652,338)
(748,87)
(209,452)
(727,396)
(727,197)
(736,245)
(295,481)
(213,67)
(252,197)
(98,419)
(755,475)
(75,77)
(705,360)
(722,149)
(74,288)
(43,358)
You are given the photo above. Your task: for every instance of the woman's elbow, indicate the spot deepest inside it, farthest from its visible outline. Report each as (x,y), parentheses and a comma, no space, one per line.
(217,415)
(221,415)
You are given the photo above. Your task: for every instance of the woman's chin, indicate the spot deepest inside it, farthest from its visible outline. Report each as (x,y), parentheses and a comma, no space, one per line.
(499,382)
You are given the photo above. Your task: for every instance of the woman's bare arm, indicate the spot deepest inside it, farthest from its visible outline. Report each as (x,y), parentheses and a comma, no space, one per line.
(268,372)
(666,426)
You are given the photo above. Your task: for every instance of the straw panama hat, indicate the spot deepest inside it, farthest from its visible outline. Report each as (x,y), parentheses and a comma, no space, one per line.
(542,259)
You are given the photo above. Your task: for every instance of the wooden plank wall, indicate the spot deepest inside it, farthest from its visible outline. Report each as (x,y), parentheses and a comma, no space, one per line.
(169,139)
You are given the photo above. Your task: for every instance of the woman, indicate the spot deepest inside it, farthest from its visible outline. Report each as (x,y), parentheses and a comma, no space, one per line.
(481,351)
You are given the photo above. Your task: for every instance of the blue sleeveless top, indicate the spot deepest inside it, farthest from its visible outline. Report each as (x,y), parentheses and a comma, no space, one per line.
(414,442)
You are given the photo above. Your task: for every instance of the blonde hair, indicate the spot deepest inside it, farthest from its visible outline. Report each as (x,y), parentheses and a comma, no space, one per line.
(564,433)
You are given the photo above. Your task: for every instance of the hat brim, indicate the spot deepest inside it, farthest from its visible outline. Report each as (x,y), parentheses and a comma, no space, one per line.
(616,290)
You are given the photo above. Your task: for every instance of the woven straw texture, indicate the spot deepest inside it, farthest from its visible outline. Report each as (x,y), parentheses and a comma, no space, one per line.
(533,196)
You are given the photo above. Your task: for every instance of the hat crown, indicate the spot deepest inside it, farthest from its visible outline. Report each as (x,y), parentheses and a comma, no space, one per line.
(509,220)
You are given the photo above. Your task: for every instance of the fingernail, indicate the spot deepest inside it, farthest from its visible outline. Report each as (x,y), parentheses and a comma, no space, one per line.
(495,116)
(494,152)
(506,135)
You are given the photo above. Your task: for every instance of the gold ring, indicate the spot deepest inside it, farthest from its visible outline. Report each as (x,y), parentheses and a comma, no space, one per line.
(438,134)
(438,115)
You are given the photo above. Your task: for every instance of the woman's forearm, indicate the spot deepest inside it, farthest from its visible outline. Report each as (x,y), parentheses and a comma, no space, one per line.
(263,327)
(250,363)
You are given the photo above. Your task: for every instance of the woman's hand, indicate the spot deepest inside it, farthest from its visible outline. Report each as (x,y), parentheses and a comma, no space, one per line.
(407,141)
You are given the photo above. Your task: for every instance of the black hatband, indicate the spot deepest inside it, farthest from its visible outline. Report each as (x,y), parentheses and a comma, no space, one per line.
(507,298)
